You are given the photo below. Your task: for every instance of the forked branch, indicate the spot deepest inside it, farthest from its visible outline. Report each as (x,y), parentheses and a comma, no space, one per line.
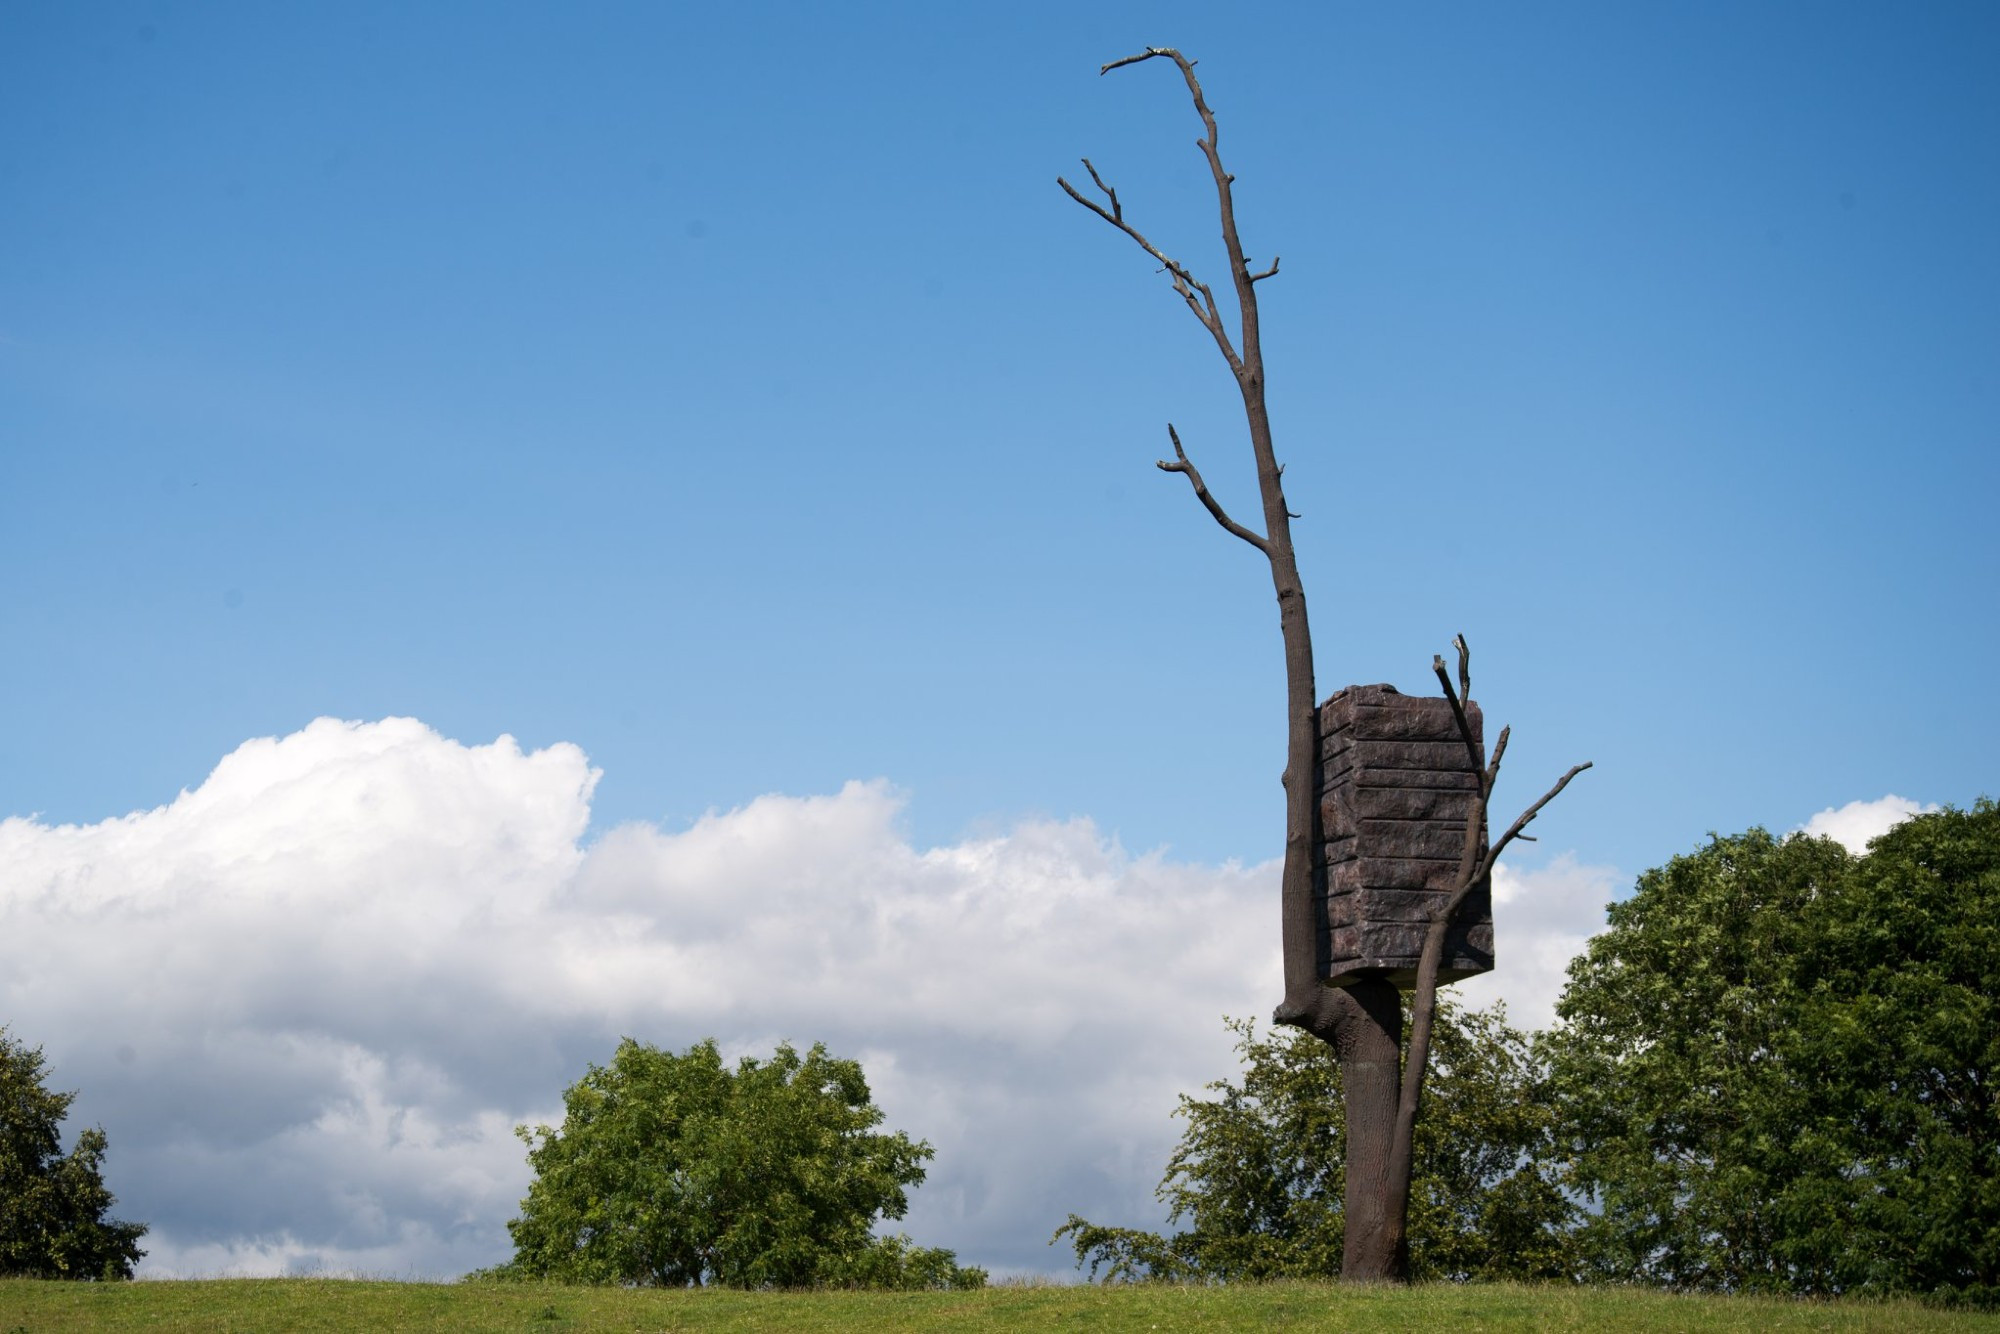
(1248,365)
(1186,285)
(1476,868)
(1249,362)
(1117,213)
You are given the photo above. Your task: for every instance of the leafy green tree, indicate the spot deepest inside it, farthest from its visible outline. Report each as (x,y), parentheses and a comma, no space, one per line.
(674,1170)
(1900,1045)
(1259,1175)
(1776,1069)
(1667,1062)
(53,1205)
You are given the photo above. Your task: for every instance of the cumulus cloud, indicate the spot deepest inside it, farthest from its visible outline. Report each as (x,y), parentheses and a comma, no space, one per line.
(1542,918)
(310,998)
(1859,823)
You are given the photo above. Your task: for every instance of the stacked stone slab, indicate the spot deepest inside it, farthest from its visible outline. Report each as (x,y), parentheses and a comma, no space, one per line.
(1396,789)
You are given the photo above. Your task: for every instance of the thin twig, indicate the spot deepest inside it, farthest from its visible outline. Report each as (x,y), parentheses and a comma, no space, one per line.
(1147,54)
(1117,213)
(1184,465)
(1499,749)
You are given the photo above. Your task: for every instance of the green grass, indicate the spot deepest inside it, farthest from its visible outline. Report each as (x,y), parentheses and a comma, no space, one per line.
(28,1307)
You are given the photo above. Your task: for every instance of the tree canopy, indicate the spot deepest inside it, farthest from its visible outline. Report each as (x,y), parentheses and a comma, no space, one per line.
(1259,1175)
(54,1207)
(675,1170)
(1775,1070)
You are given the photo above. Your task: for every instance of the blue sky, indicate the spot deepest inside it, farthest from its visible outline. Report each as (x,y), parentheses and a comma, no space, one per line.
(729,392)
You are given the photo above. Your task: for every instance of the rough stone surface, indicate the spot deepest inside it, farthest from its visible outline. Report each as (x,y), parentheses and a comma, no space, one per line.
(1397,787)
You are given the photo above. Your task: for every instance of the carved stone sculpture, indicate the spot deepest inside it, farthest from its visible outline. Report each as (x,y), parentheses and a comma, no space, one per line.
(1397,786)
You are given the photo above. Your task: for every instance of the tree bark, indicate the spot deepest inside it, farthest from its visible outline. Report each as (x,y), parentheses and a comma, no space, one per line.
(1363,1023)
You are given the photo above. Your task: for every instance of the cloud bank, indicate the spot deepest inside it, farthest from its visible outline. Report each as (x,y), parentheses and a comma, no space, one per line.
(309,999)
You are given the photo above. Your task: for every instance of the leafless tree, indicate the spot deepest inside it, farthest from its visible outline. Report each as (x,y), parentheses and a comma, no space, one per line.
(1362,1021)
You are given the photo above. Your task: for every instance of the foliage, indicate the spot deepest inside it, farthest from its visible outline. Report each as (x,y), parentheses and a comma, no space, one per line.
(1906,976)
(53,1205)
(674,1170)
(1673,1021)
(1776,1069)
(1259,1172)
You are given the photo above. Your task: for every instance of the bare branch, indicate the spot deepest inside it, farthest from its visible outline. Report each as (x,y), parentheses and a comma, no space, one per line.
(1117,213)
(1271,272)
(1499,749)
(1464,666)
(1423,1006)
(1251,359)
(1183,465)
(1239,268)
(1147,54)
(1213,320)
(1185,283)
(1526,817)
(1458,712)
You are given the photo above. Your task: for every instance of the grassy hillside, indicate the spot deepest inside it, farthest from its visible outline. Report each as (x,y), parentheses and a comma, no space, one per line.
(333,1304)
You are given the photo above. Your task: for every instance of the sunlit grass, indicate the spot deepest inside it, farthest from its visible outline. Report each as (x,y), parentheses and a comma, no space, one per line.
(338,1304)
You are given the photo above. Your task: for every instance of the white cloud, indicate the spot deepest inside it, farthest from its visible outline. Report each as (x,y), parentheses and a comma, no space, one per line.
(309,999)
(1542,918)
(1859,823)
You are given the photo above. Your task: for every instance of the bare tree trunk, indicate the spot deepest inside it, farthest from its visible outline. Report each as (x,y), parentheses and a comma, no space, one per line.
(1370,1047)
(1362,1022)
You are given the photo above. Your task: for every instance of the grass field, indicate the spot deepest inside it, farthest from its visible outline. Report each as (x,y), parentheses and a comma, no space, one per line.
(28,1307)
